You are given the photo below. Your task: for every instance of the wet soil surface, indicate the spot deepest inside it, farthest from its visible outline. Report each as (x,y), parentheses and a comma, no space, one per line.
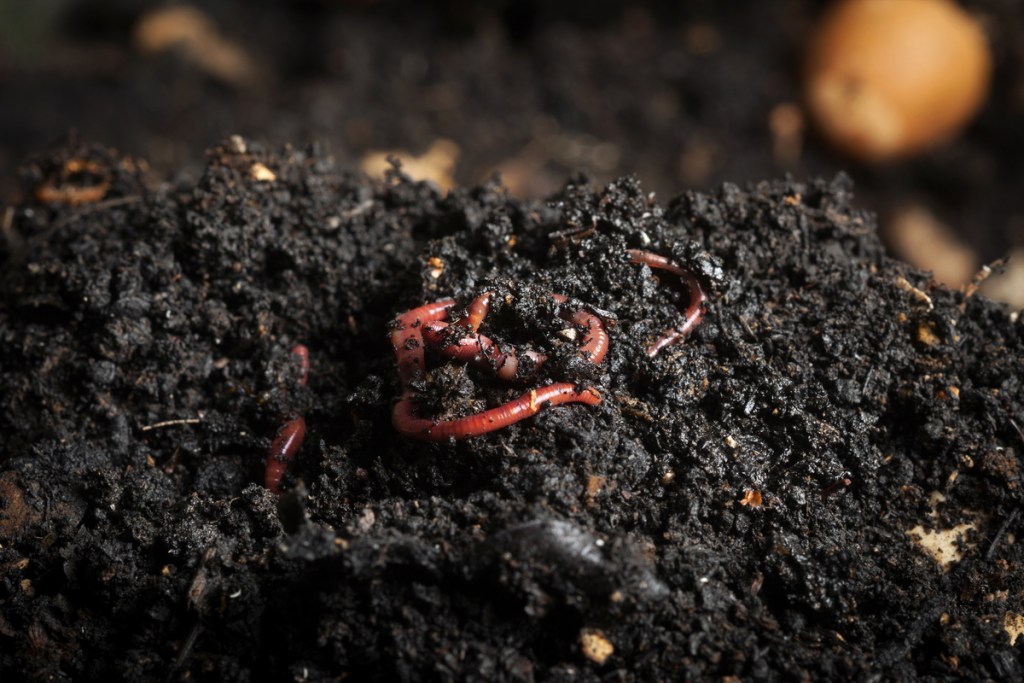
(764,500)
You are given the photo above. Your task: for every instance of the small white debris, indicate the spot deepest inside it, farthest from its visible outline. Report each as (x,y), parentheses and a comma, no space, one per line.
(237,144)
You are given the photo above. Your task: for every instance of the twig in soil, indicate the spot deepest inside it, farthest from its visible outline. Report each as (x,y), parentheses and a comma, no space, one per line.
(1001,533)
(903,284)
(986,271)
(1020,432)
(746,328)
(7,232)
(186,651)
(96,206)
(867,382)
(172,423)
(358,210)
(574,233)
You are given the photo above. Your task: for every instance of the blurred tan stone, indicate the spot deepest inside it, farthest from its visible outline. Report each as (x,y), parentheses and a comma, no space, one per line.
(194,33)
(436,165)
(786,122)
(886,79)
(699,159)
(702,39)
(918,237)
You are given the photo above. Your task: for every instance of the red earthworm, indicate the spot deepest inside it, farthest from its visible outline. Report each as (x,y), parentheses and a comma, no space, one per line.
(425,325)
(479,350)
(290,436)
(407,338)
(694,312)
(302,352)
(483,352)
(477,311)
(408,423)
(282,451)
(476,348)
(595,341)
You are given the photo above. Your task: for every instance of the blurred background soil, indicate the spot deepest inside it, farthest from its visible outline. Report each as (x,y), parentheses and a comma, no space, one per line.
(682,95)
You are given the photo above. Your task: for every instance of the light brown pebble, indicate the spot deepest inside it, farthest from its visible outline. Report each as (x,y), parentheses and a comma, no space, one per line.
(889,78)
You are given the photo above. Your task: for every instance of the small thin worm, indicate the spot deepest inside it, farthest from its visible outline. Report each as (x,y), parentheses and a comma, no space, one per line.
(282,451)
(595,341)
(302,352)
(289,437)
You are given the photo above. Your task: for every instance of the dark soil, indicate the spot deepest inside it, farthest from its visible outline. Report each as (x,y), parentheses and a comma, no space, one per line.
(738,506)
(680,94)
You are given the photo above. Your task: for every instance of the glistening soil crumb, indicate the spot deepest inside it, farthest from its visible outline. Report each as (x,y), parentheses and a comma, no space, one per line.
(760,501)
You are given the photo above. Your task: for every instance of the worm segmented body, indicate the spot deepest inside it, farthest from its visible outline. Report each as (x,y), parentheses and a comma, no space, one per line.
(426,325)
(694,312)
(408,423)
(282,451)
(407,339)
(481,351)
(289,437)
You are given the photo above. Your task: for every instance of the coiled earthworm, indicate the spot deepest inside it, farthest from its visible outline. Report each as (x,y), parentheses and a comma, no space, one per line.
(425,325)
(290,436)
(694,312)
(481,351)
(407,338)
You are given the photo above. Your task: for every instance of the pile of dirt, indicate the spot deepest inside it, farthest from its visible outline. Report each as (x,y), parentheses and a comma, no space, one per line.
(821,482)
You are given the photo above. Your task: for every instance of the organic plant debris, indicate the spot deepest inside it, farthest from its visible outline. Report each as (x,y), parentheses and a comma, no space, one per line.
(821,482)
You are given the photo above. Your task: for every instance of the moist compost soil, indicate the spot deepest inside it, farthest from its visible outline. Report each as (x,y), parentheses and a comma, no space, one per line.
(759,502)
